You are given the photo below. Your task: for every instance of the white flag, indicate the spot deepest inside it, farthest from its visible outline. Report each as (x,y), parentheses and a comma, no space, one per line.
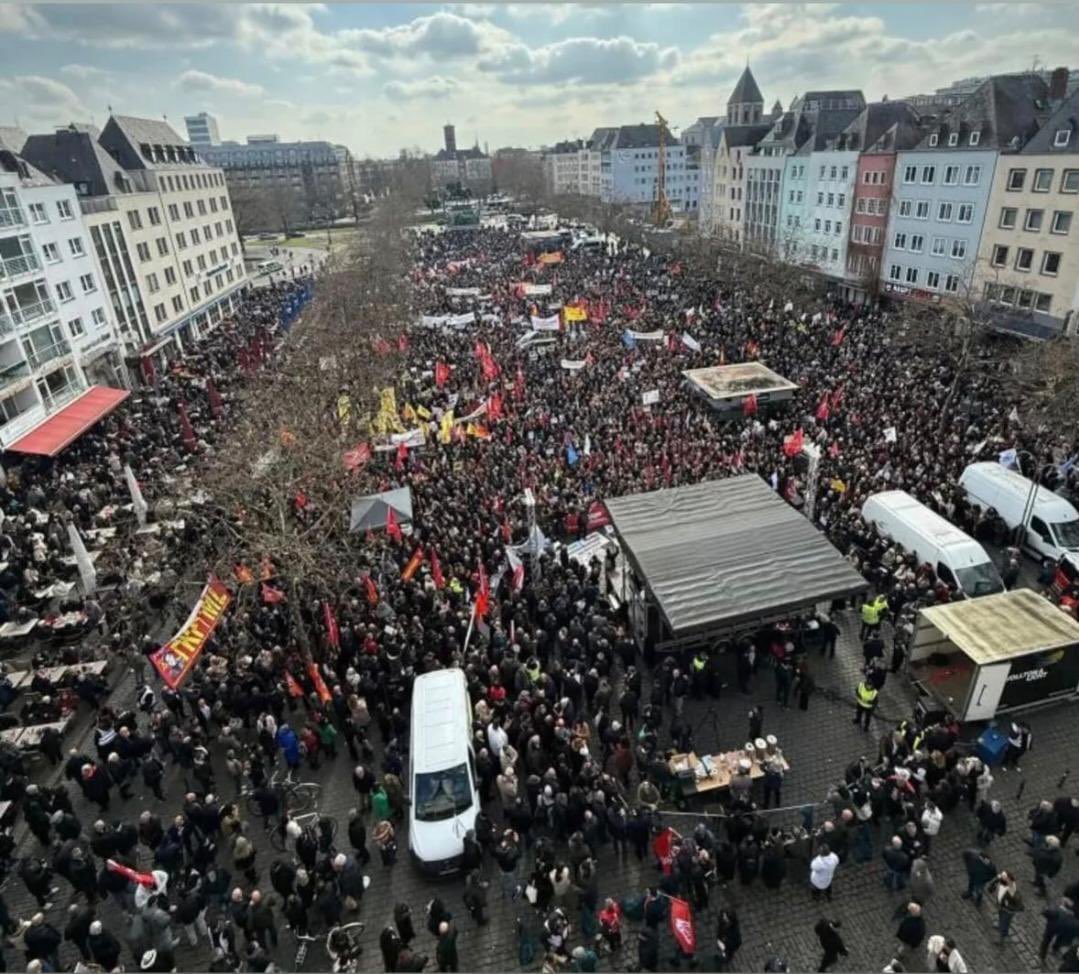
(690,342)
(87,572)
(588,444)
(138,502)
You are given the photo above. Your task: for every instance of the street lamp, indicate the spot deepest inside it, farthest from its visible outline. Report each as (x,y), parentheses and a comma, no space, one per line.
(1028,507)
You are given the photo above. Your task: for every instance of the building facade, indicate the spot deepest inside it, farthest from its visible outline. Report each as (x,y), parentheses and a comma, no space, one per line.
(1028,260)
(629,167)
(942,189)
(161,224)
(562,168)
(469,169)
(202,129)
(57,336)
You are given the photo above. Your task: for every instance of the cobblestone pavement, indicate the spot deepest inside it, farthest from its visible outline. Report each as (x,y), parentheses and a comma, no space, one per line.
(818,743)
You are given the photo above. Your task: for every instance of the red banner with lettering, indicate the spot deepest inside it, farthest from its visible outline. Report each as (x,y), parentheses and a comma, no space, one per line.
(175,659)
(682,926)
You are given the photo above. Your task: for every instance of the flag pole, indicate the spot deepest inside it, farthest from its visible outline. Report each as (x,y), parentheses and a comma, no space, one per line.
(471,624)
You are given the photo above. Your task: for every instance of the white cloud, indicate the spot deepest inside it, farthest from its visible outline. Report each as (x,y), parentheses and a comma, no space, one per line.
(581,60)
(85,72)
(42,101)
(203,81)
(434,87)
(441,36)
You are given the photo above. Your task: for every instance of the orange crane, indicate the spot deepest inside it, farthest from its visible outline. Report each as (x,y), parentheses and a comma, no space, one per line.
(661,208)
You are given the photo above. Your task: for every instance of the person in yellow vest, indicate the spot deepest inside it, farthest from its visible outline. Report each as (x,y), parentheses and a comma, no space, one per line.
(697,673)
(866,699)
(873,614)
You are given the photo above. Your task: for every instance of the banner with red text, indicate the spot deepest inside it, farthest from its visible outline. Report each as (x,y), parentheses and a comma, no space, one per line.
(179,654)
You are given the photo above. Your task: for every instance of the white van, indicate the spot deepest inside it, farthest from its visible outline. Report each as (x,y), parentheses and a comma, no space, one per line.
(956,557)
(441,771)
(269,267)
(1052,524)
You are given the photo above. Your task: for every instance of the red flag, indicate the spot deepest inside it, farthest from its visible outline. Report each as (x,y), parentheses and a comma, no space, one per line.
(494,406)
(371,589)
(381,346)
(436,570)
(442,374)
(483,594)
(792,445)
(402,342)
(402,457)
(393,529)
(320,684)
(266,568)
(662,848)
(333,632)
(823,411)
(355,458)
(838,336)
(294,689)
(149,372)
(216,405)
(752,349)
(682,926)
(143,879)
(519,384)
(490,368)
(749,405)
(507,533)
(833,450)
(413,565)
(271,595)
(187,433)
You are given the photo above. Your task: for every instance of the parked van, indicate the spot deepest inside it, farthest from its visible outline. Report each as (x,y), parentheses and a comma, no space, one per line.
(441,771)
(1052,524)
(956,557)
(269,267)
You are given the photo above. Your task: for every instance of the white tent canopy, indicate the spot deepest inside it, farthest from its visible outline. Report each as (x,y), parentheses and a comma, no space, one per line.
(371,511)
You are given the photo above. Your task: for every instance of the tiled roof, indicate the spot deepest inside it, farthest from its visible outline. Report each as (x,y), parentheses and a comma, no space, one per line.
(746,90)
(1064,119)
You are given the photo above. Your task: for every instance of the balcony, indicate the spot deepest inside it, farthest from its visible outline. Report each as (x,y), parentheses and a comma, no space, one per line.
(12,216)
(27,314)
(15,266)
(13,373)
(41,356)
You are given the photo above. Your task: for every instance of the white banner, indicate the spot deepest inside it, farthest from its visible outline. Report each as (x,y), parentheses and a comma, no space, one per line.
(545,324)
(645,336)
(87,572)
(448,321)
(650,398)
(478,411)
(462,292)
(890,435)
(537,290)
(690,342)
(138,502)
(411,438)
(574,365)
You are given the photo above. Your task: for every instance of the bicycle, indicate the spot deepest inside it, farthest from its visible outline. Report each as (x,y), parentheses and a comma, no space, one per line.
(297,796)
(344,948)
(325,831)
(303,944)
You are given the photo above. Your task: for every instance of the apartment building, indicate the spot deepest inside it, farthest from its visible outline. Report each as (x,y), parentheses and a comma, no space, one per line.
(202,129)
(161,223)
(629,167)
(57,337)
(1028,259)
(562,167)
(942,188)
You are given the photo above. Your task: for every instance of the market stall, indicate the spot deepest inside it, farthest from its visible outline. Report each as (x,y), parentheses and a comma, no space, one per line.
(981,657)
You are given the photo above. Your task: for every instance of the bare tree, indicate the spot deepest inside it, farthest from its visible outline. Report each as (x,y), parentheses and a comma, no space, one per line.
(1047,380)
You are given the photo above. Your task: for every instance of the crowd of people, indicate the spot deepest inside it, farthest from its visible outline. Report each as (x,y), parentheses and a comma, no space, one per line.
(572,724)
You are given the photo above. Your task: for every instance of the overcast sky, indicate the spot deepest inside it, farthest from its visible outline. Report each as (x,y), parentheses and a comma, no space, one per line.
(380,77)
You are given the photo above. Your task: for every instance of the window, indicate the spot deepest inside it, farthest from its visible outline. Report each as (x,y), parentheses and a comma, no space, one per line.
(143,250)
(939,246)
(1062,221)
(188,269)
(827,226)
(905,207)
(953,138)
(910,174)
(76,247)
(1042,302)
(816,225)
(201,207)
(1061,138)
(859,206)
(965,214)
(1043,180)
(1024,259)
(51,253)
(1050,264)
(921,210)
(1016,179)
(973,175)
(831,173)
(154,216)
(928,175)
(75,327)
(174,212)
(134,219)
(194,236)
(37,213)
(162,247)
(89,285)
(98,316)
(63,292)
(944,212)
(933,139)
(178,304)
(895,272)
(1007,217)
(170,276)
(63,207)
(975,138)
(1007,295)
(218,229)
(844,172)
(835,256)
(820,199)
(152,283)
(823,169)
(951,283)
(959,249)
(1069,181)
(912,275)
(899,242)
(189,210)
(932,280)
(194,295)
(1033,221)
(160,313)
(917,243)
(951,175)
(838,227)
(841,199)
(201,261)
(1000,255)
(181,240)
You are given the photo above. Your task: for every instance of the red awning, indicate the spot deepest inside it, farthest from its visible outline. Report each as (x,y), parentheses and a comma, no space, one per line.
(63,428)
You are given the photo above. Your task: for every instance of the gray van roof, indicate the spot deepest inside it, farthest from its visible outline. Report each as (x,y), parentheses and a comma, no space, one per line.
(440,718)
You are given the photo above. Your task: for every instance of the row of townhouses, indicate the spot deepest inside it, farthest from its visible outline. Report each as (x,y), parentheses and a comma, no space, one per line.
(117,249)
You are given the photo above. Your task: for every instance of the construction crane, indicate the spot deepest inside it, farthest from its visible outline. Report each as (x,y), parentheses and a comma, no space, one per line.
(661,208)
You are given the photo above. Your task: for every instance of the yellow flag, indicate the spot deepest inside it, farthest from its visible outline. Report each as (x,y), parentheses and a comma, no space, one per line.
(408,414)
(423,412)
(344,408)
(445,428)
(571,313)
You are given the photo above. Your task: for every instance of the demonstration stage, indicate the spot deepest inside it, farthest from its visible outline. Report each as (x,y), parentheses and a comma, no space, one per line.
(726,387)
(721,557)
